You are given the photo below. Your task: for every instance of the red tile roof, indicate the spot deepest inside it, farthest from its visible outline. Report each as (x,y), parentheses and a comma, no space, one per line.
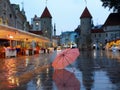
(86,14)
(97,31)
(46,13)
(113,19)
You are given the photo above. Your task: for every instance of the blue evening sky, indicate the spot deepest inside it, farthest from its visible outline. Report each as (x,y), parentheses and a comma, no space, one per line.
(65,13)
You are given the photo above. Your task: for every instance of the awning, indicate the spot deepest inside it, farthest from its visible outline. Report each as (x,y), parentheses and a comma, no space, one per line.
(7,32)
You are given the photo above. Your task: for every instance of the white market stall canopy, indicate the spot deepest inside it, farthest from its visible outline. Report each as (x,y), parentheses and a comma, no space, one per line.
(7,32)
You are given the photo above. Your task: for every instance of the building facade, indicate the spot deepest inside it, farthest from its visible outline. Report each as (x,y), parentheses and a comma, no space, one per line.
(98,37)
(11,15)
(7,15)
(112,27)
(108,32)
(43,24)
(36,23)
(68,39)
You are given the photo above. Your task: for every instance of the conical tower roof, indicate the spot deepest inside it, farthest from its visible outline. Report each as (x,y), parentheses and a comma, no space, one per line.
(46,13)
(86,14)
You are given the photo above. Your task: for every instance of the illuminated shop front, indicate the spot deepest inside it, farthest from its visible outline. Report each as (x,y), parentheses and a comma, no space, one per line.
(15,38)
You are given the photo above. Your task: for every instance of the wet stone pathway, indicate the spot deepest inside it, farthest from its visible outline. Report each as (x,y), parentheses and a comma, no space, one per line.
(17,71)
(93,70)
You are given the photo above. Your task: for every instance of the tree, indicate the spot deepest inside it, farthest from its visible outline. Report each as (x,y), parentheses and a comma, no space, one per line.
(112,4)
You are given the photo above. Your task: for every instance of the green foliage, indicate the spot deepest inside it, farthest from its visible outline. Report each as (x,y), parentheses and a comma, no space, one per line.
(112,4)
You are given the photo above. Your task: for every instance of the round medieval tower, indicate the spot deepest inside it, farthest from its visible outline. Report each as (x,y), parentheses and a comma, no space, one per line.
(46,23)
(85,29)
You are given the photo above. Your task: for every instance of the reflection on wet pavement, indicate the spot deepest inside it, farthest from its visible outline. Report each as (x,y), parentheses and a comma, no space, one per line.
(66,80)
(95,70)
(17,71)
(98,71)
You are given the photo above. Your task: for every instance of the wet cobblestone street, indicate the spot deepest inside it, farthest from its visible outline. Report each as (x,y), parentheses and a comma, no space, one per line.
(93,70)
(18,71)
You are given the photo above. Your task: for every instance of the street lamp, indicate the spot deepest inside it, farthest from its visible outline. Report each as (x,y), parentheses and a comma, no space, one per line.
(10,37)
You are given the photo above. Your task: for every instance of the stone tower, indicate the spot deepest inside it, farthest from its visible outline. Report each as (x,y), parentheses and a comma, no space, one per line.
(46,23)
(36,23)
(85,29)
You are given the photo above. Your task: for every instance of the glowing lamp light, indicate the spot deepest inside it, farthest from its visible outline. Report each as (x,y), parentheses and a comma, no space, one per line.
(10,36)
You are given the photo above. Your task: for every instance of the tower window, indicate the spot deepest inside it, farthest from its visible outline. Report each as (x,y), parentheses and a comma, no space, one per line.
(36,23)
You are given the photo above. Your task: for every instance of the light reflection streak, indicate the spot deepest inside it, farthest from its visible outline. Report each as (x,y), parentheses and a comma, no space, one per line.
(11,69)
(13,81)
(94,54)
(27,62)
(38,82)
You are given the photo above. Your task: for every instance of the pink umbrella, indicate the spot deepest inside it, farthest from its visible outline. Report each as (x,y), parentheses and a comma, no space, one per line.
(65,58)
(65,80)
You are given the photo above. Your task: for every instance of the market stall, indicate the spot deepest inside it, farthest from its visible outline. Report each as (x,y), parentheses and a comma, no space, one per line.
(25,40)
(10,52)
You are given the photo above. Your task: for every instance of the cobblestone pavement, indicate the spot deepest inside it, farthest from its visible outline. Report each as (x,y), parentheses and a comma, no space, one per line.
(19,70)
(93,70)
